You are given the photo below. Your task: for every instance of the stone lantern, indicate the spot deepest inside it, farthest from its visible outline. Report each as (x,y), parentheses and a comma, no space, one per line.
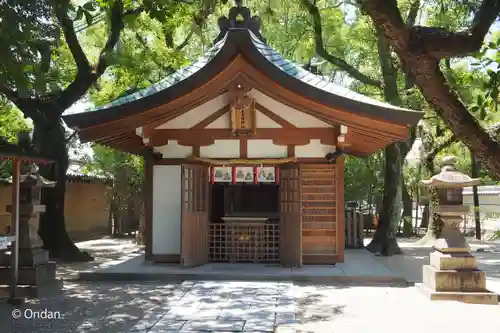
(35,267)
(452,273)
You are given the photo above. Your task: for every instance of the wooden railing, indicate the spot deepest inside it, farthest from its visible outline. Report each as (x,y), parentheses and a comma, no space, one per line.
(237,242)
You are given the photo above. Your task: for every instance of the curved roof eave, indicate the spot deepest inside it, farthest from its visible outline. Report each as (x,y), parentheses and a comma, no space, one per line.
(241,41)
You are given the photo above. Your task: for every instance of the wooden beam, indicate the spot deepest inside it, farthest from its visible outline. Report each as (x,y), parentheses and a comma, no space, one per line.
(280,136)
(213,117)
(196,151)
(243,148)
(273,116)
(181,161)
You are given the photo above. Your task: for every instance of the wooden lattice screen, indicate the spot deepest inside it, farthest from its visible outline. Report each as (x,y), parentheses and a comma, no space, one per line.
(319,237)
(243,242)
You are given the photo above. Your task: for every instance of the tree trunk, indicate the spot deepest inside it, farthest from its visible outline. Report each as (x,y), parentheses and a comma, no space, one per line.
(429,238)
(384,240)
(49,139)
(475,195)
(424,224)
(407,202)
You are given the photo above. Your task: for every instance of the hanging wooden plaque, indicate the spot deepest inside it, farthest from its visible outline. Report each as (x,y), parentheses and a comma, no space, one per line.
(242,106)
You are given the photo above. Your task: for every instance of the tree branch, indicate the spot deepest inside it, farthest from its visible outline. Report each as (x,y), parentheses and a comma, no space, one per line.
(320,48)
(10,94)
(185,42)
(117,25)
(410,22)
(61,10)
(443,44)
(440,43)
(85,79)
(430,156)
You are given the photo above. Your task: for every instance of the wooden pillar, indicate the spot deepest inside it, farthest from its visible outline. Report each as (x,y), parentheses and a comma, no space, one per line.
(16,166)
(148,206)
(340,225)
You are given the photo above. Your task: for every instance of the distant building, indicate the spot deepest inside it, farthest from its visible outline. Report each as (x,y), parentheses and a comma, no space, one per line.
(489,200)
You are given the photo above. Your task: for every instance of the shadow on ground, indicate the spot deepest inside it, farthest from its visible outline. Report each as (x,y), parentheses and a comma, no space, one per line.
(104,251)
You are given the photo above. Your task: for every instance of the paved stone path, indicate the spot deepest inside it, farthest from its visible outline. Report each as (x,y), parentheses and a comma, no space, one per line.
(224,306)
(141,308)
(244,306)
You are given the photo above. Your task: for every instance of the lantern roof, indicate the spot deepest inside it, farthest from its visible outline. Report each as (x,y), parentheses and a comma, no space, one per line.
(450,177)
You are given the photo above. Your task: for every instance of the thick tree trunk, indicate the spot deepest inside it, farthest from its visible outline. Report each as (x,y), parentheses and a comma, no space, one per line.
(49,139)
(384,240)
(475,195)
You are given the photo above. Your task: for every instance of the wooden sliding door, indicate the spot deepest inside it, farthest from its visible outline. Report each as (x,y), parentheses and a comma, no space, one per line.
(194,215)
(291,216)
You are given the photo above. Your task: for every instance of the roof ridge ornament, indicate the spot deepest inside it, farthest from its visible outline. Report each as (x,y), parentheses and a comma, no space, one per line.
(239,18)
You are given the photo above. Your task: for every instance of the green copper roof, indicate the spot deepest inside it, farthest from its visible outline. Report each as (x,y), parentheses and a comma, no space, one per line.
(317,81)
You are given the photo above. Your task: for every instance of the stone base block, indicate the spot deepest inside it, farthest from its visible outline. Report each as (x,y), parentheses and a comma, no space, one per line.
(453,261)
(453,280)
(39,275)
(33,291)
(28,257)
(484,297)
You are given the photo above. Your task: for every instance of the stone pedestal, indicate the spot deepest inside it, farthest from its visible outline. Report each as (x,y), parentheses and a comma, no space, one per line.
(452,273)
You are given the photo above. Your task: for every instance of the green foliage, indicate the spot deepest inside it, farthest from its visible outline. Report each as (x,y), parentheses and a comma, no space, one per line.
(142,40)
(11,123)
(362,178)
(28,36)
(108,163)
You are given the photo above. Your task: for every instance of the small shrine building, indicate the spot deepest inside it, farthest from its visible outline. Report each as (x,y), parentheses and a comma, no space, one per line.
(244,153)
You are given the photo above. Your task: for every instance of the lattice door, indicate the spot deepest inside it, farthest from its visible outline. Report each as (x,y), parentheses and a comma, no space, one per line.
(291,216)
(194,225)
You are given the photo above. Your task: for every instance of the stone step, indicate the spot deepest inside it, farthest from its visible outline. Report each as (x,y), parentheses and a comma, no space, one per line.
(37,275)
(22,292)
(484,297)
(29,291)
(452,261)
(454,280)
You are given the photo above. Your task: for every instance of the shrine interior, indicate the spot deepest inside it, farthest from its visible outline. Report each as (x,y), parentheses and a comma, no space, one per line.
(244,222)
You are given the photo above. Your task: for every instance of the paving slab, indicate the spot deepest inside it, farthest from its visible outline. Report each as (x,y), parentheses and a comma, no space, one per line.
(223,325)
